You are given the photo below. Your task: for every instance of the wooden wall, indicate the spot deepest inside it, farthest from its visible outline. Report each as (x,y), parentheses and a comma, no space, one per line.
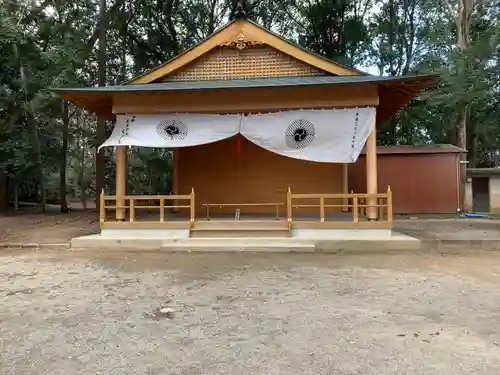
(247,100)
(420,183)
(219,174)
(254,62)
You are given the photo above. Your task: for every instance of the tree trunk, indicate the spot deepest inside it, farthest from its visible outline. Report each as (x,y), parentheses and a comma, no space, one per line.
(462,17)
(16,194)
(472,142)
(29,111)
(81,178)
(64,158)
(462,143)
(462,22)
(38,160)
(101,123)
(4,195)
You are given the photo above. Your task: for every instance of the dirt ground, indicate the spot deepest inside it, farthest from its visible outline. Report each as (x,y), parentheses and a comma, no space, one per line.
(29,225)
(64,312)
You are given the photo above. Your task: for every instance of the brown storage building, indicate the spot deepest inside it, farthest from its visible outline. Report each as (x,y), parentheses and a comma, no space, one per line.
(423,179)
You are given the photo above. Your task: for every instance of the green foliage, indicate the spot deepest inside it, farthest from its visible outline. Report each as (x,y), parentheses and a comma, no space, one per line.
(54,43)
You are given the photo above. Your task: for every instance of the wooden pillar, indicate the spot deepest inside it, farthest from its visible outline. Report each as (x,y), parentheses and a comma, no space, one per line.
(371,173)
(121,181)
(345,187)
(175,178)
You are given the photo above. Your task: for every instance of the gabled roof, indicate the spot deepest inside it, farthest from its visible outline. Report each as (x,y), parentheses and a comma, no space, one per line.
(394,92)
(406,82)
(244,31)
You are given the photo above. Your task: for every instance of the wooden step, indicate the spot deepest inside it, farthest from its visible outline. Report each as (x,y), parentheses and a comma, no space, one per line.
(241,224)
(243,228)
(240,233)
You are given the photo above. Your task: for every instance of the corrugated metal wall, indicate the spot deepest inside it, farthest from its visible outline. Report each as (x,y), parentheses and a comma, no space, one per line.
(420,182)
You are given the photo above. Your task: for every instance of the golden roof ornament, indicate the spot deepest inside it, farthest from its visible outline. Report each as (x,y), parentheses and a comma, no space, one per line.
(241,42)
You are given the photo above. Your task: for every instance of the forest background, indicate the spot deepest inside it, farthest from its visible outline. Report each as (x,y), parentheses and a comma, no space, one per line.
(48,148)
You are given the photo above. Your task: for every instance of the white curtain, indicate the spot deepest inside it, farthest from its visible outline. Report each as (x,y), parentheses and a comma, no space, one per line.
(172,130)
(330,136)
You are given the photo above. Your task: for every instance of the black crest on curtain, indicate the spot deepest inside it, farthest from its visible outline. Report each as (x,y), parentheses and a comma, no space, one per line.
(172,130)
(300,134)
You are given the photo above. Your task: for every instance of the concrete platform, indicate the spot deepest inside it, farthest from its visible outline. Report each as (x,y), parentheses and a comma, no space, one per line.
(254,244)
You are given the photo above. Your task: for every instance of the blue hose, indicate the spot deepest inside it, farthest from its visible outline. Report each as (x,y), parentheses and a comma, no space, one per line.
(475,215)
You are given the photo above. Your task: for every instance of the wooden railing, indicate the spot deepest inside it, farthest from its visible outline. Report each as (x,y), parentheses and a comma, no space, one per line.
(136,202)
(238,206)
(359,205)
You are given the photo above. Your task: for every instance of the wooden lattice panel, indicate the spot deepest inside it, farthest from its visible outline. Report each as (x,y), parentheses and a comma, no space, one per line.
(252,62)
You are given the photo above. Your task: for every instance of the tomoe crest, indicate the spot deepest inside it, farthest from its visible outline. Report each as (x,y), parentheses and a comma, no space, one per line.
(172,130)
(300,134)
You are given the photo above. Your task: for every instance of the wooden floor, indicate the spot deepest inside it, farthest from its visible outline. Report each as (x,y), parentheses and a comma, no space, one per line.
(154,216)
(247,225)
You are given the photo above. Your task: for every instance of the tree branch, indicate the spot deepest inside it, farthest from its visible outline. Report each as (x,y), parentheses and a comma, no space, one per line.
(95,34)
(451,12)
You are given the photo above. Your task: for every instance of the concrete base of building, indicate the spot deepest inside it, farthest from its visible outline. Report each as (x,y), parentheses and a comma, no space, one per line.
(251,244)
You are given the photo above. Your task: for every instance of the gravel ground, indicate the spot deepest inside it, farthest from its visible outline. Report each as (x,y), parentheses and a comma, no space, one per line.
(449,229)
(97,313)
(30,226)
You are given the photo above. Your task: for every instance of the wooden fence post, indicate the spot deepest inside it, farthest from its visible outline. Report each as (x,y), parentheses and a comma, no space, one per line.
(162,210)
(355,213)
(102,209)
(289,208)
(131,210)
(322,209)
(389,204)
(192,207)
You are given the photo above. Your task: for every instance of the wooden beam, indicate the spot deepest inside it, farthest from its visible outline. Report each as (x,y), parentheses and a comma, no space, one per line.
(175,177)
(371,174)
(302,224)
(145,225)
(121,181)
(345,186)
(247,99)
